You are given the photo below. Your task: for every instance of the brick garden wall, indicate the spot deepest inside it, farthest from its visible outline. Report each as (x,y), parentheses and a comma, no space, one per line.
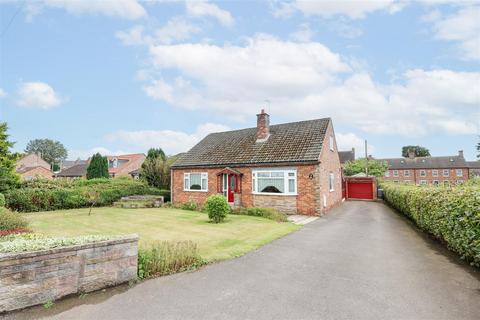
(32,278)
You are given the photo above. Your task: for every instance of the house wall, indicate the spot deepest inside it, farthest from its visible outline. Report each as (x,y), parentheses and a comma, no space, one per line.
(304,202)
(38,172)
(429,178)
(329,163)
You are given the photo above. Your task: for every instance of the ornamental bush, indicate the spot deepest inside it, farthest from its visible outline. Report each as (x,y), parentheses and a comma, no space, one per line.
(217,208)
(11,221)
(268,213)
(451,215)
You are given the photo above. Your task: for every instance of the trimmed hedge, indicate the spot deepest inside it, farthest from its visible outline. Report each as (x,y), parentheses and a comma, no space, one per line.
(451,215)
(56,195)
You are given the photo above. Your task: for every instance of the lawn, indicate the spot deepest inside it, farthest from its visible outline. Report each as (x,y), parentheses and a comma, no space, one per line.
(237,236)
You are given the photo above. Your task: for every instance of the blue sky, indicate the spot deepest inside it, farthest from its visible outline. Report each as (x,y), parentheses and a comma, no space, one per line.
(123,76)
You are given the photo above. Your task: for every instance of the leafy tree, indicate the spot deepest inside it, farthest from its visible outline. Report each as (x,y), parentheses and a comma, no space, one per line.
(376,168)
(49,150)
(419,151)
(156,172)
(8,176)
(154,153)
(98,167)
(478,149)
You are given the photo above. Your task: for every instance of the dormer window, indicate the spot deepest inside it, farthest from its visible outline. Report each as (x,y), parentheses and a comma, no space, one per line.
(115,163)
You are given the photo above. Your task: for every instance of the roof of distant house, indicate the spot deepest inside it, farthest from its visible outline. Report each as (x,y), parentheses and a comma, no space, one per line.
(22,170)
(70,163)
(296,142)
(456,161)
(79,170)
(474,164)
(346,156)
(126,163)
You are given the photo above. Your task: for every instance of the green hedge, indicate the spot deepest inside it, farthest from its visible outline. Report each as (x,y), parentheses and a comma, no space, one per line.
(452,215)
(55,195)
(268,213)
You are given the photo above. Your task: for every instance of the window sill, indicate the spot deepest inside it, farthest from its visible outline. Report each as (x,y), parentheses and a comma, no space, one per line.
(274,194)
(195,190)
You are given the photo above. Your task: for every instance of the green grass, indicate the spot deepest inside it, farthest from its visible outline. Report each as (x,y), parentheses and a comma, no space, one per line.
(236,236)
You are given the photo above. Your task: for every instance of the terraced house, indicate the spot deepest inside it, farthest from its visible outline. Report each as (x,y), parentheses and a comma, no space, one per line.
(446,170)
(293,167)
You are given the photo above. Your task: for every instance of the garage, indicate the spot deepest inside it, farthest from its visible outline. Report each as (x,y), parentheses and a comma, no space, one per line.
(360,188)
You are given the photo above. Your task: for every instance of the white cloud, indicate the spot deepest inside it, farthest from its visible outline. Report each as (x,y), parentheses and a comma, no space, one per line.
(347,141)
(128,9)
(462,27)
(303,34)
(37,95)
(2,93)
(172,142)
(328,9)
(205,9)
(176,29)
(308,80)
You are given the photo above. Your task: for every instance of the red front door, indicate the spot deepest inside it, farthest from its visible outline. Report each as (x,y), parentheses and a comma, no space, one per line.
(232,183)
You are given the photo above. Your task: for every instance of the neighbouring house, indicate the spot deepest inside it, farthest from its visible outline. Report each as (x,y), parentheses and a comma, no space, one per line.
(346,156)
(446,170)
(293,167)
(77,171)
(70,163)
(125,165)
(32,166)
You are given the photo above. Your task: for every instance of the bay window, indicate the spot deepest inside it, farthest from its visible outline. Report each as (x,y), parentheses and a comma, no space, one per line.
(195,181)
(274,181)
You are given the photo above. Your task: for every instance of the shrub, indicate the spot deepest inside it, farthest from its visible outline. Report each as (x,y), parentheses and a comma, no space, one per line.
(451,215)
(11,221)
(166,257)
(2,200)
(54,195)
(189,205)
(217,208)
(268,213)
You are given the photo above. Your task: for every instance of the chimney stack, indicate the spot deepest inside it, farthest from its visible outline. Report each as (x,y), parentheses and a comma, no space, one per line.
(263,126)
(460,153)
(411,154)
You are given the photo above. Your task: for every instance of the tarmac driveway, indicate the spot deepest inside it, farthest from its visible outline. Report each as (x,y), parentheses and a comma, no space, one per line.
(361,261)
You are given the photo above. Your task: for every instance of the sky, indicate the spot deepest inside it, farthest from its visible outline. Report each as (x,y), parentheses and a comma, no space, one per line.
(124,76)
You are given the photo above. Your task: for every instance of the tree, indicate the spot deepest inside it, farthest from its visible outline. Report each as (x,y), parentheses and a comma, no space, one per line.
(478,149)
(156,172)
(156,153)
(8,176)
(49,150)
(98,167)
(418,150)
(376,168)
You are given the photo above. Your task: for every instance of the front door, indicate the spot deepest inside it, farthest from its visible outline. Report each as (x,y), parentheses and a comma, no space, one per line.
(232,183)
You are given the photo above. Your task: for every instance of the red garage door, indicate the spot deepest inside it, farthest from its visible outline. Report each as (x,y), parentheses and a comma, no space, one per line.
(362,189)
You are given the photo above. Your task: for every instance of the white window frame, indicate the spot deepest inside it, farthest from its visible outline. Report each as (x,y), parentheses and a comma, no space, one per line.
(457,171)
(423,182)
(331,144)
(423,173)
(203,176)
(435,173)
(331,181)
(459,181)
(395,173)
(387,174)
(286,177)
(406,173)
(447,172)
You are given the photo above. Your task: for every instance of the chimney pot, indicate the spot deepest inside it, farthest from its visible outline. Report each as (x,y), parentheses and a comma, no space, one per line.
(460,153)
(411,154)
(263,126)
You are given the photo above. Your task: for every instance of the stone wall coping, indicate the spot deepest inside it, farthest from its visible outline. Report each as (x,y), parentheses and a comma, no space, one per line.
(28,254)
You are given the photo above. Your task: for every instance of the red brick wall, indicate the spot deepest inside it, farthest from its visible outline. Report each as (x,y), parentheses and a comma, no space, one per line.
(329,163)
(429,178)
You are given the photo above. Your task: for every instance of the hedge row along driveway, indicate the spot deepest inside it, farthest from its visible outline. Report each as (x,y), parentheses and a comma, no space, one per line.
(452,215)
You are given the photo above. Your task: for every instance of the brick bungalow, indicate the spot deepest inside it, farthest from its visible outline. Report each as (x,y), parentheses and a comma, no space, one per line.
(32,166)
(293,167)
(448,170)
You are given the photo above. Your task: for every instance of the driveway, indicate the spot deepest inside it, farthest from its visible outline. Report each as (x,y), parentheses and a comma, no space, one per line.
(361,261)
